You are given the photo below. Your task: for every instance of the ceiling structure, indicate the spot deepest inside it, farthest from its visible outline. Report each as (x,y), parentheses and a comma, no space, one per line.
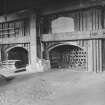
(15,5)
(7,6)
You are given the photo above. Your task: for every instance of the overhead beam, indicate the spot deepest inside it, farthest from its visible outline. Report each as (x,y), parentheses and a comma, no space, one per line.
(25,39)
(73,36)
(14,16)
(71,7)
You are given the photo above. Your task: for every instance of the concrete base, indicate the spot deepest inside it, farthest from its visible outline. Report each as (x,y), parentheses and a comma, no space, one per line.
(46,65)
(40,66)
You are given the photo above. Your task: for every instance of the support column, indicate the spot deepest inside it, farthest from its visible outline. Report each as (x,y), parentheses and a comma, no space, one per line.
(33,42)
(0,54)
(100,54)
(29,55)
(90,56)
(46,54)
(95,56)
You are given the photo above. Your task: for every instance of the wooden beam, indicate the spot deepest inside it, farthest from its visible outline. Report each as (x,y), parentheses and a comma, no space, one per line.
(100,54)
(71,7)
(33,42)
(15,16)
(25,39)
(90,56)
(65,36)
(73,36)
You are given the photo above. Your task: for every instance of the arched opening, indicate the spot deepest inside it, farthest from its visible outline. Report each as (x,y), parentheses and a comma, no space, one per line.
(68,56)
(18,53)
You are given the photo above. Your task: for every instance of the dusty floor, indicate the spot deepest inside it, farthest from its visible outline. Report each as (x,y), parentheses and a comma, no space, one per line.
(54,88)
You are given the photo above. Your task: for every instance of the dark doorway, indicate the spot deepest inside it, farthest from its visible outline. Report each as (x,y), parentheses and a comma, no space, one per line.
(18,53)
(68,56)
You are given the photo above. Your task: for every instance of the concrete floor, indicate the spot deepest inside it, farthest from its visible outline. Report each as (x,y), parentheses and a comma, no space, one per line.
(54,88)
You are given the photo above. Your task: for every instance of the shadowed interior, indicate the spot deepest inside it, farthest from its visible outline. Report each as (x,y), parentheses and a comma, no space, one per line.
(18,53)
(68,56)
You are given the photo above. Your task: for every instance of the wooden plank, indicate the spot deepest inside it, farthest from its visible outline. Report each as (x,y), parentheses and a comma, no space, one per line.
(100,17)
(73,36)
(103,18)
(97,56)
(69,7)
(81,21)
(90,20)
(96,16)
(0,54)
(84,21)
(64,36)
(100,54)
(29,56)
(15,40)
(77,21)
(94,54)
(15,16)
(33,42)
(94,20)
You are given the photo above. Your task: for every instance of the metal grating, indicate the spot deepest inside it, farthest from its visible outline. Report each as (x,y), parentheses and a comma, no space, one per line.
(71,57)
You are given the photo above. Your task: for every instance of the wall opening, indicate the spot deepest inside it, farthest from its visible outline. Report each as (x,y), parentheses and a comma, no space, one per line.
(68,56)
(18,53)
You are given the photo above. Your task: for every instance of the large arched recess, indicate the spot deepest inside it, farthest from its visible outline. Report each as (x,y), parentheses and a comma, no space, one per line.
(68,56)
(18,53)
